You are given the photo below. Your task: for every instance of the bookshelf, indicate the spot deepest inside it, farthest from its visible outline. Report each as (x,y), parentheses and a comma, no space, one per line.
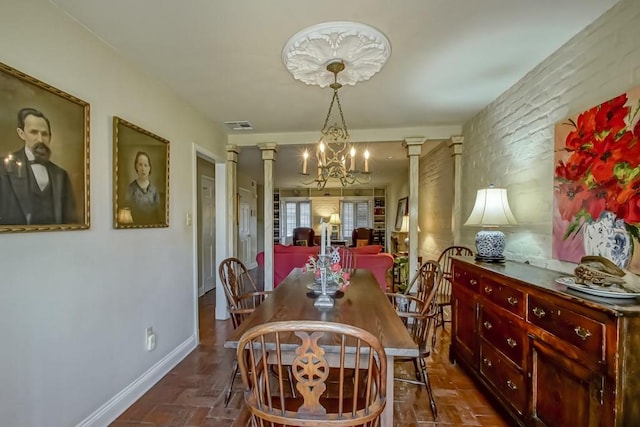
(276,217)
(379,217)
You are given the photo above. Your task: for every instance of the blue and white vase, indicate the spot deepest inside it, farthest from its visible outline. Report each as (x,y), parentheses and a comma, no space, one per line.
(608,237)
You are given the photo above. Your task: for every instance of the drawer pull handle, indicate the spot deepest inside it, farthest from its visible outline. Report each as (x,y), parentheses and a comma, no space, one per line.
(487,325)
(488,289)
(582,332)
(539,312)
(511,342)
(511,385)
(473,282)
(512,300)
(487,362)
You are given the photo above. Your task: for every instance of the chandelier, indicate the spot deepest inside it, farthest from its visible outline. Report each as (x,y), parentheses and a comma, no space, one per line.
(308,55)
(335,155)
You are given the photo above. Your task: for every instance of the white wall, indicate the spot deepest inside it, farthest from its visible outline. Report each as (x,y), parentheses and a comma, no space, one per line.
(74,305)
(510,143)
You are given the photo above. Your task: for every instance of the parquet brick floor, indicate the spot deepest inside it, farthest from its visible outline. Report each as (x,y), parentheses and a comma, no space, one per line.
(192,394)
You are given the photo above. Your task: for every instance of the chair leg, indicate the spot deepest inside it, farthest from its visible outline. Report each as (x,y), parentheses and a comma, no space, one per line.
(416,369)
(234,372)
(427,384)
(290,374)
(433,338)
(441,309)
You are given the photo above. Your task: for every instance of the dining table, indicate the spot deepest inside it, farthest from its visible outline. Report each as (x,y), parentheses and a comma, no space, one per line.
(363,304)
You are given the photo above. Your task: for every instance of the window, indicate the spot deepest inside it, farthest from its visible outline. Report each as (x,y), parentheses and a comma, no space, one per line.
(296,214)
(354,214)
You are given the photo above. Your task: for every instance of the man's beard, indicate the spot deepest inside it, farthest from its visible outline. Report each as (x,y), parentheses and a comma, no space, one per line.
(41,152)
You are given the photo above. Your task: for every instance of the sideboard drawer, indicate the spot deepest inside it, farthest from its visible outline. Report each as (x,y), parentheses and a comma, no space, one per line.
(584,333)
(508,380)
(466,278)
(505,296)
(505,334)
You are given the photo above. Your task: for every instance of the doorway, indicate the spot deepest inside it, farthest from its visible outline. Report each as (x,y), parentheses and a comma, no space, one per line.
(206,226)
(247,226)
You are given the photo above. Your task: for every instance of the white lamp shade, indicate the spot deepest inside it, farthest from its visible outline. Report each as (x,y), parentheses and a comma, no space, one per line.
(404,228)
(491,208)
(124,216)
(335,219)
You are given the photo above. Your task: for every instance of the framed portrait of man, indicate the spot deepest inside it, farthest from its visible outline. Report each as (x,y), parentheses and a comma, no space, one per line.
(44,156)
(140,177)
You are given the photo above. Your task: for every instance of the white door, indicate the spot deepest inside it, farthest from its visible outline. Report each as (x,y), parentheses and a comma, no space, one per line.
(208,235)
(244,227)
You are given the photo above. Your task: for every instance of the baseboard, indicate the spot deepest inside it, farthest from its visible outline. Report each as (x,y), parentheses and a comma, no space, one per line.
(115,406)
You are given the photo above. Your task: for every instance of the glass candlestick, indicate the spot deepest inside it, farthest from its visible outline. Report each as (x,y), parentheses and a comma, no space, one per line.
(323,300)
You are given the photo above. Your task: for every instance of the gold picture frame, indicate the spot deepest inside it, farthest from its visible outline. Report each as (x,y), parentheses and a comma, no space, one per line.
(402,210)
(140,177)
(44,156)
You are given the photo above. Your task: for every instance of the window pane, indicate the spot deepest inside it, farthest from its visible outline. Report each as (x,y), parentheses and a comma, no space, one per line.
(347,218)
(290,209)
(295,214)
(354,214)
(362,214)
(305,214)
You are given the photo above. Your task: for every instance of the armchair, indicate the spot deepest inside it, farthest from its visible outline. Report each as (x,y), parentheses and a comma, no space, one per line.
(303,236)
(362,237)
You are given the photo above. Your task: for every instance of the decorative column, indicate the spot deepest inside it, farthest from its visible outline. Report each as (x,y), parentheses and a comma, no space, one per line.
(268,158)
(414,149)
(455,145)
(232,194)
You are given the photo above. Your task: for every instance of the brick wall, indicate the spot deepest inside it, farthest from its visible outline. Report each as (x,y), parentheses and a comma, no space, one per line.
(510,143)
(436,188)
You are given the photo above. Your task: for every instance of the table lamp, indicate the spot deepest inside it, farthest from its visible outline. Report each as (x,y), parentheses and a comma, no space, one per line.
(490,211)
(124,216)
(404,228)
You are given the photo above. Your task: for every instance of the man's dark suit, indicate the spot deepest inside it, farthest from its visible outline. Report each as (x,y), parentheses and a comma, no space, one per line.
(16,197)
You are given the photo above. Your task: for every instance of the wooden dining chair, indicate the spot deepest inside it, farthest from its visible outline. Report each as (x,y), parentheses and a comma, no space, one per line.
(443,298)
(315,351)
(242,299)
(422,282)
(418,311)
(347,260)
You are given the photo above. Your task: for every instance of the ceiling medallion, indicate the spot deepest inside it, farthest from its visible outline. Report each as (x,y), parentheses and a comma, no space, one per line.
(363,50)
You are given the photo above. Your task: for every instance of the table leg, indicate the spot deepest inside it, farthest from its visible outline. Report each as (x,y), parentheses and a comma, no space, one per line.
(387,413)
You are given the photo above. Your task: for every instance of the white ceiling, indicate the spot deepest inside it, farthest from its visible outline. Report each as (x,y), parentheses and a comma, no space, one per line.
(449,59)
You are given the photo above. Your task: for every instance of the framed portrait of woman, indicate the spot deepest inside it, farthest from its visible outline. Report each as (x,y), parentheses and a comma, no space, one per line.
(140,177)
(44,156)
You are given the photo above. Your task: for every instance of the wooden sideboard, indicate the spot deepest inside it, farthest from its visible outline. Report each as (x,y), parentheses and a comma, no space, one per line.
(548,355)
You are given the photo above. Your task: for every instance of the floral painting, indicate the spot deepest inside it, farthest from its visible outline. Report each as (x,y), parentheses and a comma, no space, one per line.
(597,183)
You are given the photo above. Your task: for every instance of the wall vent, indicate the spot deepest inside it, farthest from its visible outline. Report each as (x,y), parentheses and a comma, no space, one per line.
(239,125)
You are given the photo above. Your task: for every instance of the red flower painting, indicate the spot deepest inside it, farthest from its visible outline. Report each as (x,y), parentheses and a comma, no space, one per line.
(597,177)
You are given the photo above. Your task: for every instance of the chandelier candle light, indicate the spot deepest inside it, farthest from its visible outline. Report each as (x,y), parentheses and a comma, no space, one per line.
(491,210)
